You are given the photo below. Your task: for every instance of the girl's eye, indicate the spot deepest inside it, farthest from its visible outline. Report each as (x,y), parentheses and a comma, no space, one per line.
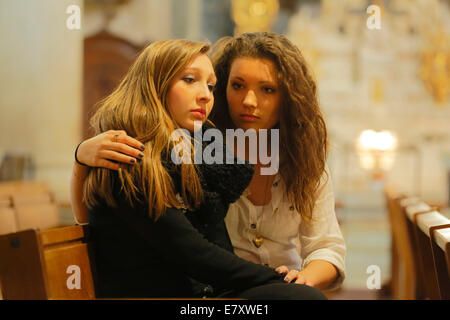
(269,90)
(211,87)
(236,85)
(188,79)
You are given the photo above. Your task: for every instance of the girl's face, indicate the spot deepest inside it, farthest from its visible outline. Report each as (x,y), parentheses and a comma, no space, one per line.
(190,96)
(253,93)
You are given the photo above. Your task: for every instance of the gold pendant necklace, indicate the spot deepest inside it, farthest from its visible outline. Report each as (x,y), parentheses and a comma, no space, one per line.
(258,239)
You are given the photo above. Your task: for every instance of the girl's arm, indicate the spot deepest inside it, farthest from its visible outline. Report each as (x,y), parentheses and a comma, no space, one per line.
(322,244)
(319,274)
(79,209)
(104,150)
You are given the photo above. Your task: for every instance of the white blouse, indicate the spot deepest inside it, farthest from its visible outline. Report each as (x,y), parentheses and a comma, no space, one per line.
(287,241)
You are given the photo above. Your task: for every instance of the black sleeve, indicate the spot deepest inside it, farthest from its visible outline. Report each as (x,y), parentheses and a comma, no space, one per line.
(174,237)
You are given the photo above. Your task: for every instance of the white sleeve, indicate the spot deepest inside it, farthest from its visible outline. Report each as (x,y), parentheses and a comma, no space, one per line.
(321,239)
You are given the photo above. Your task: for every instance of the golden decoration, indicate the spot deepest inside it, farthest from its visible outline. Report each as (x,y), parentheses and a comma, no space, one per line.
(253,15)
(435,71)
(377,90)
(257,241)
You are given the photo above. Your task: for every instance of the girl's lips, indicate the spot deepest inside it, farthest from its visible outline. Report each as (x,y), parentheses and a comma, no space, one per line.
(249,117)
(199,113)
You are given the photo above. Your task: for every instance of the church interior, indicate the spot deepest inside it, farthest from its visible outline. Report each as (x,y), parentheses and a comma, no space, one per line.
(383,74)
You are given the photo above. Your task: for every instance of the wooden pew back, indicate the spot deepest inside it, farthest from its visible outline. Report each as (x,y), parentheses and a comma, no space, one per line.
(35,211)
(441,255)
(404,274)
(22,187)
(434,267)
(8,221)
(26,205)
(48,264)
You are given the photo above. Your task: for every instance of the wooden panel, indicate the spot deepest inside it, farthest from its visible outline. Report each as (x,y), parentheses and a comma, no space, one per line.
(427,270)
(410,201)
(35,211)
(412,209)
(57,235)
(441,257)
(432,266)
(8,223)
(22,187)
(393,283)
(447,257)
(64,248)
(406,277)
(31,198)
(21,266)
(442,238)
(31,270)
(427,220)
(59,259)
(107,59)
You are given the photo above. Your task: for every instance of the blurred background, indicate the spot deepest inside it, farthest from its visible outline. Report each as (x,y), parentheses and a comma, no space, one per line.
(384,87)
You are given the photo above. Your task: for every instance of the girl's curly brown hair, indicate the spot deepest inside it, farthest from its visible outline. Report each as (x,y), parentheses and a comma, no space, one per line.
(303,133)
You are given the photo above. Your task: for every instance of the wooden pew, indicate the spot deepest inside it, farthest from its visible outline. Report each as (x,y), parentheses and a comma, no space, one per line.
(22,187)
(441,255)
(420,266)
(410,211)
(35,211)
(8,221)
(390,288)
(433,264)
(26,205)
(47,264)
(405,277)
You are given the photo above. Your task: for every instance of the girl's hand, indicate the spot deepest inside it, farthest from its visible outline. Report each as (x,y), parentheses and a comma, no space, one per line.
(300,277)
(108,148)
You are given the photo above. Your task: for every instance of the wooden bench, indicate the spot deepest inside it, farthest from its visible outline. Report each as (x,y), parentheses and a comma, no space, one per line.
(26,205)
(8,221)
(22,187)
(441,255)
(420,263)
(425,222)
(53,264)
(409,209)
(47,264)
(404,270)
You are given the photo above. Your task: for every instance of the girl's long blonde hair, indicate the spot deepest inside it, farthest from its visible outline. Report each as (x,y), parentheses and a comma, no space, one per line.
(139,107)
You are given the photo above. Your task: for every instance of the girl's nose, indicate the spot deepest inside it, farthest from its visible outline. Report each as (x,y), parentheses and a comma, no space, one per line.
(205,94)
(250,99)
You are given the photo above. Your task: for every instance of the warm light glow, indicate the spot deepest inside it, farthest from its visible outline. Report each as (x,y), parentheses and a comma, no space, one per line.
(381,141)
(367,139)
(367,161)
(385,141)
(387,161)
(376,149)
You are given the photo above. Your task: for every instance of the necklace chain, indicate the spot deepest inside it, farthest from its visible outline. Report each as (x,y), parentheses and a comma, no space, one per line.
(258,239)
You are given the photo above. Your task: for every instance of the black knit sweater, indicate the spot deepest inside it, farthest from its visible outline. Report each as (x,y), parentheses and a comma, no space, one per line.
(180,253)
(222,184)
